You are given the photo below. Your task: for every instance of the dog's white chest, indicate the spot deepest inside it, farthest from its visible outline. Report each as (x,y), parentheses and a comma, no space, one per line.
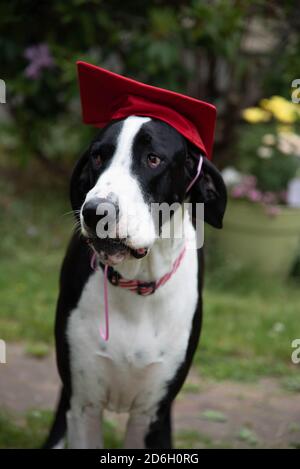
(147,344)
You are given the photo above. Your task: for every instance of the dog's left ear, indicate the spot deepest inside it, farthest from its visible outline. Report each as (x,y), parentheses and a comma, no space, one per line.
(80,182)
(210,190)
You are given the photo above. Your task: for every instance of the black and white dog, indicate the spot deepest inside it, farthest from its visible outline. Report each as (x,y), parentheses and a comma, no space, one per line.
(132,162)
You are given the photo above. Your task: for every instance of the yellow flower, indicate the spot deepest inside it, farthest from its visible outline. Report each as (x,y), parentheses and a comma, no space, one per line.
(282,109)
(255,115)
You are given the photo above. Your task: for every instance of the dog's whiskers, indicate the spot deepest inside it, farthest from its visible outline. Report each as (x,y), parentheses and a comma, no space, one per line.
(71,212)
(77,226)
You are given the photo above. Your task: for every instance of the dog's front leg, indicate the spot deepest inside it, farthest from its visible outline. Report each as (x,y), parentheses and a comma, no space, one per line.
(84,427)
(137,428)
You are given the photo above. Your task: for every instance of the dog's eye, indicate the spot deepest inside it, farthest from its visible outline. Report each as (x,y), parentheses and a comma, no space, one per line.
(97,160)
(153,160)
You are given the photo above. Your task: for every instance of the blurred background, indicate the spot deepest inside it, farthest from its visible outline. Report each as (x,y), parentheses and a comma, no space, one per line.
(244,57)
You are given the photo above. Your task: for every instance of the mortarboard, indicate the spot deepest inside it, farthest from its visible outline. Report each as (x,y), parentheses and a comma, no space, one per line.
(106,96)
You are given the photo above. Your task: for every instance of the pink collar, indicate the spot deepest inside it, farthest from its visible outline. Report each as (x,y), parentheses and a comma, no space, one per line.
(137,286)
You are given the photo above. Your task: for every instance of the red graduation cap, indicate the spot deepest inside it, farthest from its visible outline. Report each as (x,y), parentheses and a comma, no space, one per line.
(106,96)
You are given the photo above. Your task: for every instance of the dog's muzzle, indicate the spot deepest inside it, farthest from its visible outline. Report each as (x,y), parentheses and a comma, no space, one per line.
(100,218)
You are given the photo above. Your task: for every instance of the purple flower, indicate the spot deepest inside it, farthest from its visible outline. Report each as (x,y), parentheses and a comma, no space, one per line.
(238,192)
(39,57)
(247,189)
(254,195)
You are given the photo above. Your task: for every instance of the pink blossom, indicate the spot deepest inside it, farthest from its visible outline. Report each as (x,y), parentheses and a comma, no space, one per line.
(254,195)
(238,192)
(247,189)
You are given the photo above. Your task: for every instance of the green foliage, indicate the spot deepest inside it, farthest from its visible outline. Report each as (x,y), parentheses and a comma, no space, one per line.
(272,174)
(167,43)
(155,42)
(285,63)
(219,32)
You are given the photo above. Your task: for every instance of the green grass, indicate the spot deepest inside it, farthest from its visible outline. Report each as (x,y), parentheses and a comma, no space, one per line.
(214,416)
(249,324)
(28,433)
(33,233)
(248,436)
(192,439)
(32,430)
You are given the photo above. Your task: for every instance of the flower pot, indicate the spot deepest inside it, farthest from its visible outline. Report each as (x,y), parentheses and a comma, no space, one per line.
(250,236)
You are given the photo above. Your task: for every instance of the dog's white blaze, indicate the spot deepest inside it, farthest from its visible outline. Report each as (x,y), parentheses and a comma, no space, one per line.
(148,342)
(135,215)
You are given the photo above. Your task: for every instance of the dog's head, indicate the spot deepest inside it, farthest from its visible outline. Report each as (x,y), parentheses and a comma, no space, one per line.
(132,164)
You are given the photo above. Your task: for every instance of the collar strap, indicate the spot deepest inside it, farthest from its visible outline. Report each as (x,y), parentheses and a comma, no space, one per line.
(138,286)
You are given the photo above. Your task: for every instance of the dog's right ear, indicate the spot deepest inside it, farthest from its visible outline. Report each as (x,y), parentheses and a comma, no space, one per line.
(209,188)
(80,181)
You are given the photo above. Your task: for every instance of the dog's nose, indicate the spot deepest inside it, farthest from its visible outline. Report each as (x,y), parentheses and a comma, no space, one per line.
(94,210)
